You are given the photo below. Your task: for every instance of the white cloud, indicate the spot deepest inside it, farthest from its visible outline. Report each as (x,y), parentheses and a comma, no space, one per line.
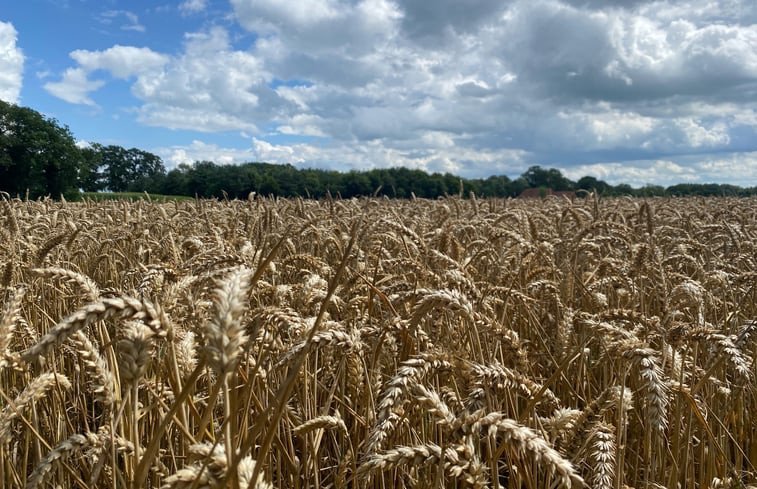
(636,173)
(637,89)
(302,124)
(270,15)
(11,64)
(74,87)
(343,157)
(120,61)
(192,6)
(739,168)
(571,53)
(734,168)
(196,119)
(202,151)
(318,26)
(129,21)
(210,87)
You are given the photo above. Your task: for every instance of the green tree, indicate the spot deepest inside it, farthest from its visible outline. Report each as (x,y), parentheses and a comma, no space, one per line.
(537,176)
(591,184)
(129,169)
(36,154)
(176,181)
(622,189)
(650,190)
(356,184)
(269,185)
(91,178)
(205,179)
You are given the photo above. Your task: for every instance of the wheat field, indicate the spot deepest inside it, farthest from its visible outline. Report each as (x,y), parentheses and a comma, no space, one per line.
(605,343)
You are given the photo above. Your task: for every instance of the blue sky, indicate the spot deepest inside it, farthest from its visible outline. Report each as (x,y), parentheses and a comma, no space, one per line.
(628,91)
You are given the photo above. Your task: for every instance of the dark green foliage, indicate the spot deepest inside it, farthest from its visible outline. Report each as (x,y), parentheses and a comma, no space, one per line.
(537,176)
(36,154)
(131,170)
(592,184)
(206,179)
(91,178)
(709,190)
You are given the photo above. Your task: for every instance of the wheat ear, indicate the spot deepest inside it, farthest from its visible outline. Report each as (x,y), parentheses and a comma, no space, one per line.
(210,469)
(603,456)
(320,422)
(35,391)
(124,307)
(526,441)
(10,315)
(96,367)
(225,335)
(86,284)
(60,453)
(395,395)
(417,456)
(652,376)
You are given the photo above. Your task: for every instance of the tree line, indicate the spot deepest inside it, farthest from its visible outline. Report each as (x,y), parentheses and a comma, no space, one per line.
(39,157)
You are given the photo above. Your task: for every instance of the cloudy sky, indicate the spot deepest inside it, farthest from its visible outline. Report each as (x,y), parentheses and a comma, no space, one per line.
(628,91)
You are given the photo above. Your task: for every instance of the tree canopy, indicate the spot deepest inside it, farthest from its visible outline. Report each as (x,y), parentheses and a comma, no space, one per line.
(37,154)
(207,179)
(40,156)
(128,169)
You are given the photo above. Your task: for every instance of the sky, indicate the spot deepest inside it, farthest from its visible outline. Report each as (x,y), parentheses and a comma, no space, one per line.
(628,91)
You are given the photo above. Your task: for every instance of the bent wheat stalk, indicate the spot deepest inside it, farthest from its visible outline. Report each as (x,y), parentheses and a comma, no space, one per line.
(124,307)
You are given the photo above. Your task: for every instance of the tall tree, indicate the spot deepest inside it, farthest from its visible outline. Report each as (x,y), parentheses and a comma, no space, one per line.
(591,184)
(36,154)
(129,169)
(91,178)
(537,176)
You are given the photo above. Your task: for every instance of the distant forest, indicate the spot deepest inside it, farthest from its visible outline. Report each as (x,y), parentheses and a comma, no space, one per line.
(39,157)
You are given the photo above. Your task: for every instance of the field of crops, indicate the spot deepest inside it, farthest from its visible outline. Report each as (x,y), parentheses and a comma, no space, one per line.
(603,343)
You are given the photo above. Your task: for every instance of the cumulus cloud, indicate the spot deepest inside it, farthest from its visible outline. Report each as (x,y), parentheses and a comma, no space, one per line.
(197,119)
(734,168)
(192,6)
(210,87)
(432,23)
(617,55)
(202,151)
(643,90)
(120,61)
(11,64)
(637,173)
(75,87)
(441,156)
(320,26)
